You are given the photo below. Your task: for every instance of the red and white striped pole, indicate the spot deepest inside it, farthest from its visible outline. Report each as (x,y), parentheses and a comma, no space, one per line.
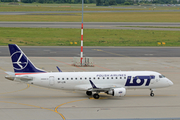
(81,42)
(82,35)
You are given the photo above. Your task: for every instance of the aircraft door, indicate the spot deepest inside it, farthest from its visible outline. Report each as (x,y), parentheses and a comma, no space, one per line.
(51,80)
(152,81)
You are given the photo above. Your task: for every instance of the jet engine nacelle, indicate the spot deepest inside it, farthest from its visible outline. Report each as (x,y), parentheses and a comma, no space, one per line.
(119,92)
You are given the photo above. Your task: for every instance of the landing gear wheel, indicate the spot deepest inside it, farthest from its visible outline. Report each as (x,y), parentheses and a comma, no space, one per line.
(89,93)
(96,96)
(152,94)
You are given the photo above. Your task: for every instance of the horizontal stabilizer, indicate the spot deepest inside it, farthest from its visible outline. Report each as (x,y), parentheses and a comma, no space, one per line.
(10,76)
(10,73)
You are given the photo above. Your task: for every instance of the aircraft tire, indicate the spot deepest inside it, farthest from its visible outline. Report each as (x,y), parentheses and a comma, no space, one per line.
(96,96)
(152,94)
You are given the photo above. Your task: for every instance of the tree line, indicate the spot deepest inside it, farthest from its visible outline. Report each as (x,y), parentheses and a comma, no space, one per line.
(101,2)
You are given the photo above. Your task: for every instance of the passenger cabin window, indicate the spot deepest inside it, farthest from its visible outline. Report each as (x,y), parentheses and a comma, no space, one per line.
(120,77)
(90,78)
(98,78)
(58,78)
(107,77)
(103,78)
(94,78)
(80,78)
(75,78)
(62,78)
(71,78)
(85,78)
(124,77)
(116,78)
(67,78)
(111,77)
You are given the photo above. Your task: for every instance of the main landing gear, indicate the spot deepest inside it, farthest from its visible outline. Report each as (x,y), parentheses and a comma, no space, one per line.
(95,96)
(151,94)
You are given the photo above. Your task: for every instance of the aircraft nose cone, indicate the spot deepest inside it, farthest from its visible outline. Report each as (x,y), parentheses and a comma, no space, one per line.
(170,82)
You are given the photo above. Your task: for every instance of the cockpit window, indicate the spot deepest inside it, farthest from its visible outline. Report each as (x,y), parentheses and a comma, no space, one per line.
(161,76)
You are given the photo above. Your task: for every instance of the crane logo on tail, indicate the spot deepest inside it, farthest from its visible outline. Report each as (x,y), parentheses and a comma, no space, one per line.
(19,60)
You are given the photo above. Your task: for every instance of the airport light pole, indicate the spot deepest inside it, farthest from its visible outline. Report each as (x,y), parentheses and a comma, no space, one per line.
(82,35)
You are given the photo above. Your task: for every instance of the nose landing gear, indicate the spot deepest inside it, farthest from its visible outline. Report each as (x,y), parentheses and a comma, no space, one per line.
(151,94)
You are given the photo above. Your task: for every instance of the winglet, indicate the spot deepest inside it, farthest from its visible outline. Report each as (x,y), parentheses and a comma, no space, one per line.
(58,69)
(93,85)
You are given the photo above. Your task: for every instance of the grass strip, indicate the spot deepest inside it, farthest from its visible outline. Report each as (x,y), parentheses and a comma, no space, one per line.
(76,7)
(92,37)
(98,17)
(60,7)
(150,27)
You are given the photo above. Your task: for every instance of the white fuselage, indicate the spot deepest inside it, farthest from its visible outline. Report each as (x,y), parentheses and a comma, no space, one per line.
(111,79)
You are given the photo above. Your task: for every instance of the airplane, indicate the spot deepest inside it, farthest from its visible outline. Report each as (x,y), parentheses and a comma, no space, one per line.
(113,83)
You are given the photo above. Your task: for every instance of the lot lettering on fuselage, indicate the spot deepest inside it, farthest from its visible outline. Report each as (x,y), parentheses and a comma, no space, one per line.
(139,80)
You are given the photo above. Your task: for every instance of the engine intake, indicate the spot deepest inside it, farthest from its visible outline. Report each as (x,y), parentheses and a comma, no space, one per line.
(119,92)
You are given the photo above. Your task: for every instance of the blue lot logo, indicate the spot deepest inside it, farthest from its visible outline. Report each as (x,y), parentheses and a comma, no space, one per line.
(19,60)
(139,80)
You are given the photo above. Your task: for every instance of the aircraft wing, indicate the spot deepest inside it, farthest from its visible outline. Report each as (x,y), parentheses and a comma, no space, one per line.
(101,87)
(114,90)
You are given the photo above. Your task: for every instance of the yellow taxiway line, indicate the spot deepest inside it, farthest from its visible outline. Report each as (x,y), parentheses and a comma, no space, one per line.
(65,104)
(17,90)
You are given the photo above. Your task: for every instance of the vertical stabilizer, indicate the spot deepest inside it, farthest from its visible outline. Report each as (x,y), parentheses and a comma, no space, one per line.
(20,61)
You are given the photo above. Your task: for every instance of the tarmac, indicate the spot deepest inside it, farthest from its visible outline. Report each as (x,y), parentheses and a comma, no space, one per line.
(97,25)
(99,51)
(19,101)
